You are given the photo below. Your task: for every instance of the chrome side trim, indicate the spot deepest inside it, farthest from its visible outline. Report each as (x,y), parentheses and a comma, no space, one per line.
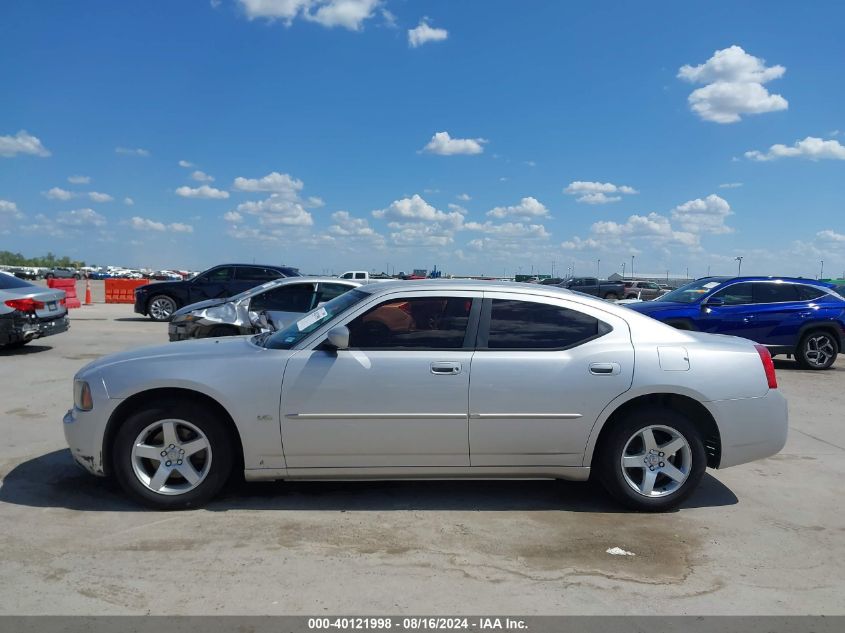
(525,416)
(376,416)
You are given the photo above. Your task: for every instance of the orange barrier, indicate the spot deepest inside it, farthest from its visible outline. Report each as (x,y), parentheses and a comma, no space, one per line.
(69,286)
(123,290)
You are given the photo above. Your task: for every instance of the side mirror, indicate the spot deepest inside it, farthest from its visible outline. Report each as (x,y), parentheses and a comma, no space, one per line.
(338,337)
(714,302)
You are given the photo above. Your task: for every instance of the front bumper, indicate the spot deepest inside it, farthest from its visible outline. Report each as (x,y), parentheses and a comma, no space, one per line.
(751,428)
(18,327)
(141,303)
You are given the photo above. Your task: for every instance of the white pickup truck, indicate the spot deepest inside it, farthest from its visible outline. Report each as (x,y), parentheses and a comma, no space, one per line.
(362,277)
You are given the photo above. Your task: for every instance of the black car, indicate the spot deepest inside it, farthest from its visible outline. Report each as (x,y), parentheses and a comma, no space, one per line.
(160,300)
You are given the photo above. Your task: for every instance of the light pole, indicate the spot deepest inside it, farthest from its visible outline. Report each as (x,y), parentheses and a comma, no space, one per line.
(632,266)
(623,270)
(598,268)
(739,265)
(821,270)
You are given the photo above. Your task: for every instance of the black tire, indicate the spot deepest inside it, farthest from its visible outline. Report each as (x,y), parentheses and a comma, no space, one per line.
(168,307)
(77,277)
(222,330)
(810,354)
(49,276)
(611,296)
(609,457)
(203,418)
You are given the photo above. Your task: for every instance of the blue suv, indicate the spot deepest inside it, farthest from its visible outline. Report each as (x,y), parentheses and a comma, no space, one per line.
(802,317)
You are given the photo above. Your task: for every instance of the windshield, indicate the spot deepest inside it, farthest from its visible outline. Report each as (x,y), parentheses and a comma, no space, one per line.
(299,329)
(691,292)
(8,281)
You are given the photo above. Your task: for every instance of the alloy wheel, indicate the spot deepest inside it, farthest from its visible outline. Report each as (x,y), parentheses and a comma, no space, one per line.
(162,308)
(171,457)
(656,461)
(819,350)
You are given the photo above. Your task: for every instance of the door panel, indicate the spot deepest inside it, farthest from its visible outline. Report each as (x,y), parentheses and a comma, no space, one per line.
(537,407)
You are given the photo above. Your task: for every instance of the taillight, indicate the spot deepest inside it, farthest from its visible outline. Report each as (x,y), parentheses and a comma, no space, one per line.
(768,365)
(62,301)
(25,305)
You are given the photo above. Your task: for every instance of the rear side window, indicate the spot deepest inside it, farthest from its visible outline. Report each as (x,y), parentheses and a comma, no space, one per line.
(256,273)
(413,323)
(532,325)
(217,275)
(736,294)
(774,293)
(808,293)
(330,291)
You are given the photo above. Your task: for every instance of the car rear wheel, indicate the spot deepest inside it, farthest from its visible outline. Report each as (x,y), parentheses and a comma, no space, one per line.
(172,455)
(652,460)
(817,350)
(161,308)
(611,296)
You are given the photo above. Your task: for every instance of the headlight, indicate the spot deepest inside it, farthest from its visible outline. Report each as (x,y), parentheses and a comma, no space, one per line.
(82,399)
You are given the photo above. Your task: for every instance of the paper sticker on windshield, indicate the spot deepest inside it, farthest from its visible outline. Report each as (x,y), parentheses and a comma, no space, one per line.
(711,284)
(311,319)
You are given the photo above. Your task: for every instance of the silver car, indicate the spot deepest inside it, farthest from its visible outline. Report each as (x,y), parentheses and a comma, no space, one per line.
(28,312)
(433,379)
(267,307)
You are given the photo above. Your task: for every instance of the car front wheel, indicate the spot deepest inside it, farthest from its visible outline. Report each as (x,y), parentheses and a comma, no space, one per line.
(161,308)
(652,460)
(817,350)
(172,455)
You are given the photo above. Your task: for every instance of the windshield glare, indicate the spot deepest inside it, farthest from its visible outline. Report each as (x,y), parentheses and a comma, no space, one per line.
(308,323)
(691,292)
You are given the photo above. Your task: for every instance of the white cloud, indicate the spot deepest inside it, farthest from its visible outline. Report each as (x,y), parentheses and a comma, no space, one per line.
(829,235)
(132,151)
(734,86)
(349,227)
(79,180)
(273,182)
(233,216)
(349,14)
(423,33)
(509,229)
(508,238)
(57,193)
(22,143)
(703,215)
(444,145)
(590,192)
(415,209)
(278,209)
(730,185)
(9,209)
(202,192)
(464,197)
(144,224)
(201,176)
(527,208)
(811,148)
(96,196)
(186,164)
(128,201)
(81,217)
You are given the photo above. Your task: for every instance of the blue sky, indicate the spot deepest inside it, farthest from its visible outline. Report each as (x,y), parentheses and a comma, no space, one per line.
(483,137)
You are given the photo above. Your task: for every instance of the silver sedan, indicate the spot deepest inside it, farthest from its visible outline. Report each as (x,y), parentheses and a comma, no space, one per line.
(433,379)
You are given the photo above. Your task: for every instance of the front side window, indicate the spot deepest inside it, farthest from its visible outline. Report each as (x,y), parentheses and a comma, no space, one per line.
(532,325)
(766,292)
(413,323)
(256,274)
(289,298)
(736,294)
(327,292)
(217,275)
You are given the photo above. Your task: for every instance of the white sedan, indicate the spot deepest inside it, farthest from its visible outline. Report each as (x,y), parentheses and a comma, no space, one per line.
(433,379)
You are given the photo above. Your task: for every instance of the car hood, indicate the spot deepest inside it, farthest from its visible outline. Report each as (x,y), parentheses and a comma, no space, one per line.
(653,307)
(161,285)
(195,351)
(201,305)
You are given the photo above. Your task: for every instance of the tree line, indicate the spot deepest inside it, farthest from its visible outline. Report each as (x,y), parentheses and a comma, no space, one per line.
(8,258)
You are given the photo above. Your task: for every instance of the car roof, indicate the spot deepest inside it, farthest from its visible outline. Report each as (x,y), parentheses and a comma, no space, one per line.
(797,280)
(385,287)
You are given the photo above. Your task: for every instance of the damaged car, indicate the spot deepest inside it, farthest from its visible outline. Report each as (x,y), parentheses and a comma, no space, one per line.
(265,308)
(28,312)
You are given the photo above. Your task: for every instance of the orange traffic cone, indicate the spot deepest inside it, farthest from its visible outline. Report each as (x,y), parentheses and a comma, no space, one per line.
(88,301)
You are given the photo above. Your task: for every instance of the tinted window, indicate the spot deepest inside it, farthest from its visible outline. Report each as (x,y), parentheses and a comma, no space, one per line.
(292,298)
(360,275)
(808,293)
(328,292)
(7,281)
(256,274)
(774,293)
(347,276)
(736,294)
(529,325)
(590,281)
(216,275)
(417,323)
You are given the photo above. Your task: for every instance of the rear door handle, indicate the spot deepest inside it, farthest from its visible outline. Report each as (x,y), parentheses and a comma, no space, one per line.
(445,368)
(605,369)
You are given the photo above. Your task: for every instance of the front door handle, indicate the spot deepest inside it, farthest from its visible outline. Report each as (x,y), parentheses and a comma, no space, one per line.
(605,369)
(445,368)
